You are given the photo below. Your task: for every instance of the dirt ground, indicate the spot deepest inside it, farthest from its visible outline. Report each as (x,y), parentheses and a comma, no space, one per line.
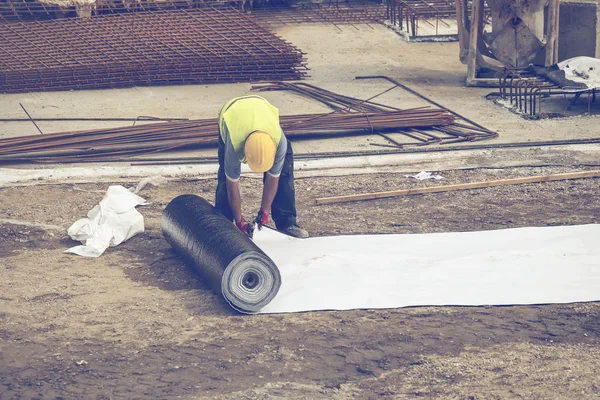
(136,324)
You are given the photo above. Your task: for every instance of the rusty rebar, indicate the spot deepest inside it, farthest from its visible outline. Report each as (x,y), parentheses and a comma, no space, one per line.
(31,119)
(148,48)
(462,129)
(526,91)
(102,144)
(412,12)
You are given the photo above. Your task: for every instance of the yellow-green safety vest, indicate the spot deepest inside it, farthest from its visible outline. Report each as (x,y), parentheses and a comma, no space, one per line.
(246,114)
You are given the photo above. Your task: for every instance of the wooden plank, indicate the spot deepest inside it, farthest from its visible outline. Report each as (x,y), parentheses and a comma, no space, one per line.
(460,186)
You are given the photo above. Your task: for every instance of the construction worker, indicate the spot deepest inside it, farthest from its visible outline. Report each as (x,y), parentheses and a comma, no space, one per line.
(249,132)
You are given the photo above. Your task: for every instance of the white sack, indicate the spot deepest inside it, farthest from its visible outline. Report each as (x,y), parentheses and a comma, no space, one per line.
(501,267)
(110,223)
(424,175)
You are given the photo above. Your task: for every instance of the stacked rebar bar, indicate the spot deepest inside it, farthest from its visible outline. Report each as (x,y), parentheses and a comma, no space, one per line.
(106,144)
(150,48)
(458,130)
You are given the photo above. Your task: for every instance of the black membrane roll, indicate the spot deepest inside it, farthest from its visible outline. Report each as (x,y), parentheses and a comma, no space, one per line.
(234,266)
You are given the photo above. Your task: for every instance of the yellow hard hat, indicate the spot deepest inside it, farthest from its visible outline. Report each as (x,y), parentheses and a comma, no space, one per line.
(260,151)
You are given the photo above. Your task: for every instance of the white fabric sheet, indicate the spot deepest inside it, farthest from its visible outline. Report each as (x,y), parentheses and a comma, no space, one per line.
(512,266)
(424,175)
(111,222)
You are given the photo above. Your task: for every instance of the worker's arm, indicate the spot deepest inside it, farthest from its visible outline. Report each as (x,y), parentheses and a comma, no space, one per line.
(235,199)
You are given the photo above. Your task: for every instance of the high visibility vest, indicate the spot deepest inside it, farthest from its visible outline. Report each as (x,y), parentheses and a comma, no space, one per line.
(244,115)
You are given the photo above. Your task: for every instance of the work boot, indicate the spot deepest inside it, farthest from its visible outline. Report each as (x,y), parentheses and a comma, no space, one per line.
(296,231)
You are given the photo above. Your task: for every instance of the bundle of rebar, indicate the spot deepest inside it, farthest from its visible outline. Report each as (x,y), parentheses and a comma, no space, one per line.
(149,48)
(104,144)
(459,130)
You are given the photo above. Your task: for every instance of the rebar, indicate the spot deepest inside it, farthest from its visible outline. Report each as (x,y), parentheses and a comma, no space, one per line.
(31,119)
(27,10)
(333,100)
(148,48)
(407,14)
(266,14)
(462,129)
(349,14)
(525,92)
(102,144)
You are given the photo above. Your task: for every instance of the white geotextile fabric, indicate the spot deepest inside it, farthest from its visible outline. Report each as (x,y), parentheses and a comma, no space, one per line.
(111,222)
(582,69)
(536,265)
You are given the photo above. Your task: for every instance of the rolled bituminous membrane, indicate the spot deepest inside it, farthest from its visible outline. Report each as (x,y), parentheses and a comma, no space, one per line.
(225,257)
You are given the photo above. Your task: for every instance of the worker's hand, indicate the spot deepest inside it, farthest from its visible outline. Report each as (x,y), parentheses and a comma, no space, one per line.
(245,227)
(262,218)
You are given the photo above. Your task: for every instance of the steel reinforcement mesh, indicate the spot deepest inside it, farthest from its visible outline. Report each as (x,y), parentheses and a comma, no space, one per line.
(14,10)
(347,14)
(26,10)
(148,48)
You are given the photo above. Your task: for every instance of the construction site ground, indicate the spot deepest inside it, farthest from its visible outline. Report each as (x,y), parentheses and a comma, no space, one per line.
(135,323)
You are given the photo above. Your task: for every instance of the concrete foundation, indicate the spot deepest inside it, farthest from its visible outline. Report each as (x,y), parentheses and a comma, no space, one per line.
(579,29)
